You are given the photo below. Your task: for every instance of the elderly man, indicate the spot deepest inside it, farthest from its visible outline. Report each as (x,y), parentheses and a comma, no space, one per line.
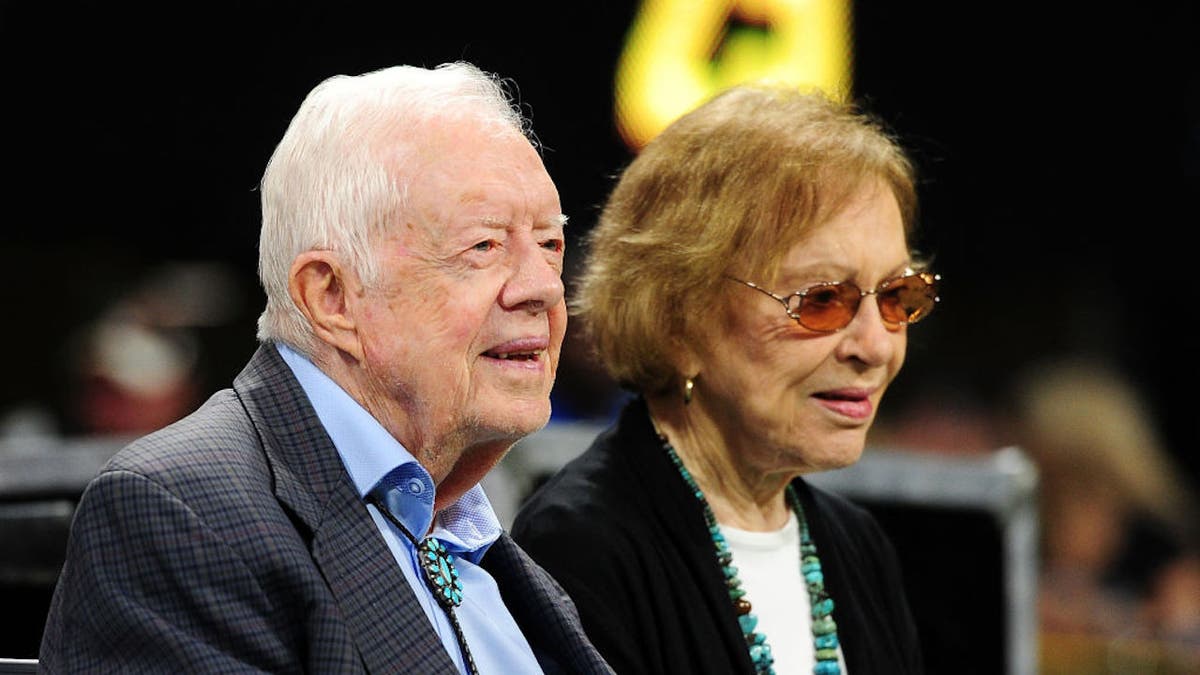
(325,515)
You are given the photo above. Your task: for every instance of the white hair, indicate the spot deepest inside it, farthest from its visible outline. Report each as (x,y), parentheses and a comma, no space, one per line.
(337,179)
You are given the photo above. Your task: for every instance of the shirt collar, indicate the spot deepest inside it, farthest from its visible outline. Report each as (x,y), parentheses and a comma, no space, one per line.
(370,454)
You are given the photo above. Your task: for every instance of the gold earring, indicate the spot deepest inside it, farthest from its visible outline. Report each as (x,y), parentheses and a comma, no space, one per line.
(688,385)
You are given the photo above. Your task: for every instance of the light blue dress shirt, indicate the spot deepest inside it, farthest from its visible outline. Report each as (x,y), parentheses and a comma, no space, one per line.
(467,528)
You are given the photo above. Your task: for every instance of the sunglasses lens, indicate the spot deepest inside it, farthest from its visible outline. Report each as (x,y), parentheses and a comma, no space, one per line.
(908,299)
(829,307)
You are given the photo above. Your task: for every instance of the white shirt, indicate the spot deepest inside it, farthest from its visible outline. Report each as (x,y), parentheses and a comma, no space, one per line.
(768,565)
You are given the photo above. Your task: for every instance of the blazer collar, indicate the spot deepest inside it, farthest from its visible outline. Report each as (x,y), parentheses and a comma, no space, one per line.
(542,609)
(379,607)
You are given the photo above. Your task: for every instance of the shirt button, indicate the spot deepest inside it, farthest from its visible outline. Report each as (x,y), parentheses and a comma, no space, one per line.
(415,486)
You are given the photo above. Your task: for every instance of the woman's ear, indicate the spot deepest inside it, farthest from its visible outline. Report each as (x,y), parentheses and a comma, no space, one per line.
(323,291)
(685,358)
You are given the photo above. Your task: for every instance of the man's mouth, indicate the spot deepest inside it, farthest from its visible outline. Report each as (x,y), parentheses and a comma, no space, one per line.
(515,356)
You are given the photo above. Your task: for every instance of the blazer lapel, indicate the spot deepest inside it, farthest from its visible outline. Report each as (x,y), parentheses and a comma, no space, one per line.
(542,609)
(377,604)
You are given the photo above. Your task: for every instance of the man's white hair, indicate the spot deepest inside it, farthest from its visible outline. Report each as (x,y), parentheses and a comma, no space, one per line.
(338,179)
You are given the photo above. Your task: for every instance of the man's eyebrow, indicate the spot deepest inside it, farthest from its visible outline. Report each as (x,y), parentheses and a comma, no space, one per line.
(556,221)
(493,223)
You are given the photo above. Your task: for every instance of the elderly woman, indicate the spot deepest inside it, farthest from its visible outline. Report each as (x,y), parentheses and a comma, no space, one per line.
(751,279)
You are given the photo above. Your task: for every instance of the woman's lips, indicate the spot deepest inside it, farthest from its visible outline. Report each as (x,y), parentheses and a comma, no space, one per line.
(853,403)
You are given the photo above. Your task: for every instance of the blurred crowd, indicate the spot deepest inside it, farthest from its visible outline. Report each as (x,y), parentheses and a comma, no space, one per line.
(1120,549)
(1119,525)
(1119,565)
(139,362)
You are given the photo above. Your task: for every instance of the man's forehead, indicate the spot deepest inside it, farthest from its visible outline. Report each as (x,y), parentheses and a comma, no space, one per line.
(495,199)
(470,175)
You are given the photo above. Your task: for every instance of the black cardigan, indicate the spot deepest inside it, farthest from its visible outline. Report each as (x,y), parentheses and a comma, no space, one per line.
(619,529)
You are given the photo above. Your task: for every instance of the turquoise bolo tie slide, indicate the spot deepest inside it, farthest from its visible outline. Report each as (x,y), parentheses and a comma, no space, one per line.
(440,574)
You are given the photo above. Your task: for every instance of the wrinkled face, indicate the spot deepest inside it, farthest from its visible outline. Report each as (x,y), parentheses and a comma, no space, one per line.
(462,331)
(785,398)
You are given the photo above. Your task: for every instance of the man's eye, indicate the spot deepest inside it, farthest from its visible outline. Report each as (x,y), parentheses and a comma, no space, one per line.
(484,246)
(555,245)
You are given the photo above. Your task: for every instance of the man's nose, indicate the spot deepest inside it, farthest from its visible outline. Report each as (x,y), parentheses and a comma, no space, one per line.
(536,281)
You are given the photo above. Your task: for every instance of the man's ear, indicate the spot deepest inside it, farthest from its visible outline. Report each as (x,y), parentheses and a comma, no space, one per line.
(323,291)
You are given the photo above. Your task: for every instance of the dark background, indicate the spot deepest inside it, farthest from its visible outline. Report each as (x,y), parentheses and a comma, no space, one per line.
(1058,149)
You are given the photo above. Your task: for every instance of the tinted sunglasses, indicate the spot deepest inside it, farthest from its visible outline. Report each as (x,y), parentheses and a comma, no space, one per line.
(831,306)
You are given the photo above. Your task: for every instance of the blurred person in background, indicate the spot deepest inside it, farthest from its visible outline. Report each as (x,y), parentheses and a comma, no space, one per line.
(751,280)
(130,378)
(325,514)
(141,358)
(1118,521)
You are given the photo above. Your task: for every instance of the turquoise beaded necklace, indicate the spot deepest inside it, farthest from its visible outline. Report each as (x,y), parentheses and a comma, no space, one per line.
(824,629)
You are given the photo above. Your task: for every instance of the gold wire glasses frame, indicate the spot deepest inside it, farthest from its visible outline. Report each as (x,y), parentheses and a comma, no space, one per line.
(830,306)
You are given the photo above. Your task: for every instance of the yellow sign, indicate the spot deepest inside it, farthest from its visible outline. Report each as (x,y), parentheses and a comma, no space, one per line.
(679,53)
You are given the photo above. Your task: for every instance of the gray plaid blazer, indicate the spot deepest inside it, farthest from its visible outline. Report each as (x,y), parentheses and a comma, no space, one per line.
(234,541)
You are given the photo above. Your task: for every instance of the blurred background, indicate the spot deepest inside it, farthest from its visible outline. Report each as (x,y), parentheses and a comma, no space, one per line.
(1058,149)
